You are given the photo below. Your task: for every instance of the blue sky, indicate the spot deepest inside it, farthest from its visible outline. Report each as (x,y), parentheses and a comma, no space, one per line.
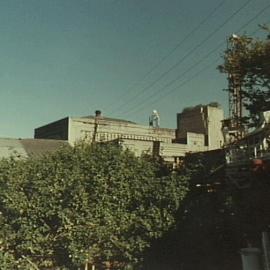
(125,57)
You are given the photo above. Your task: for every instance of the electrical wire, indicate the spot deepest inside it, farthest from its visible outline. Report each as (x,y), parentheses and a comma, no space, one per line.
(202,70)
(143,91)
(135,109)
(175,48)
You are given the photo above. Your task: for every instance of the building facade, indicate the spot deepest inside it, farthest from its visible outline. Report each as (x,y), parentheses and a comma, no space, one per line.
(197,130)
(203,120)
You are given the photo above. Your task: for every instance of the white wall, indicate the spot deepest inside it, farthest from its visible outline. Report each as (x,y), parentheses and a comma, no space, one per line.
(83,128)
(215,136)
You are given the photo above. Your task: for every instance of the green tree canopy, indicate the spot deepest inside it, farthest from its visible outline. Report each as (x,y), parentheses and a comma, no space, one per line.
(248,60)
(91,203)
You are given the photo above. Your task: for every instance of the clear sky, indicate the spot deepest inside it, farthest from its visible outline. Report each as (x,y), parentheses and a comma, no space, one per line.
(125,57)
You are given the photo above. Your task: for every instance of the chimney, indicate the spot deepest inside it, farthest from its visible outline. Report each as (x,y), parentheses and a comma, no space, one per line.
(98,113)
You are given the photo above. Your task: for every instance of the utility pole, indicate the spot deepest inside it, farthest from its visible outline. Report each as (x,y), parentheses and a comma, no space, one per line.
(97,117)
(234,125)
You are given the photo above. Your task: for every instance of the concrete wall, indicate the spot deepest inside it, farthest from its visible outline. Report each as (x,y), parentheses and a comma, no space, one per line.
(171,151)
(84,128)
(196,142)
(205,120)
(191,120)
(168,151)
(214,130)
(57,130)
(138,147)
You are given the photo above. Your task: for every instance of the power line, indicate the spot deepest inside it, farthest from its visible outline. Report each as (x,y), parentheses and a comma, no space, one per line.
(182,74)
(153,101)
(205,68)
(178,45)
(196,64)
(191,51)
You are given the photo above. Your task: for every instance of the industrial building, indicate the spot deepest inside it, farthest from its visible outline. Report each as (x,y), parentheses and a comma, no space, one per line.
(203,120)
(198,129)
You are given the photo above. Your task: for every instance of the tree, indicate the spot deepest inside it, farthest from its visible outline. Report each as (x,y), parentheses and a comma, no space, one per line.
(248,60)
(93,204)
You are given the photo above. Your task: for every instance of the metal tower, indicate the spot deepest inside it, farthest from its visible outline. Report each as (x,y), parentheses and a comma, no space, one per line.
(233,127)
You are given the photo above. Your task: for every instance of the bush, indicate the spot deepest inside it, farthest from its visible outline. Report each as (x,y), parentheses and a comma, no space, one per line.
(93,204)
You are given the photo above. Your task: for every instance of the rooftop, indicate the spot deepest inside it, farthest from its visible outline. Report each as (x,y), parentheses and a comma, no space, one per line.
(109,119)
(28,147)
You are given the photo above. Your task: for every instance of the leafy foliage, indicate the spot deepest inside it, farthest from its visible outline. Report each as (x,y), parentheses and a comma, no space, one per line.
(215,220)
(93,204)
(248,60)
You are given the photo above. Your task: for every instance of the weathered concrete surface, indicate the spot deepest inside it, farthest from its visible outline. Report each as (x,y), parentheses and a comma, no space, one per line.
(23,148)
(202,119)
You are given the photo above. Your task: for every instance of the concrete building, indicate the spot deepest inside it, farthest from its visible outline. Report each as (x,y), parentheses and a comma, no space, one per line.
(138,138)
(201,120)
(198,129)
(101,129)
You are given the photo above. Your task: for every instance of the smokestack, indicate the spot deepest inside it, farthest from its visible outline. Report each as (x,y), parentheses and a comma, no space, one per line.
(98,113)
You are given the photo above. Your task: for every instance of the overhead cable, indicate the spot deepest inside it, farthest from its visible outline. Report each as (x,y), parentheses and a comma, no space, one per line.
(144,90)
